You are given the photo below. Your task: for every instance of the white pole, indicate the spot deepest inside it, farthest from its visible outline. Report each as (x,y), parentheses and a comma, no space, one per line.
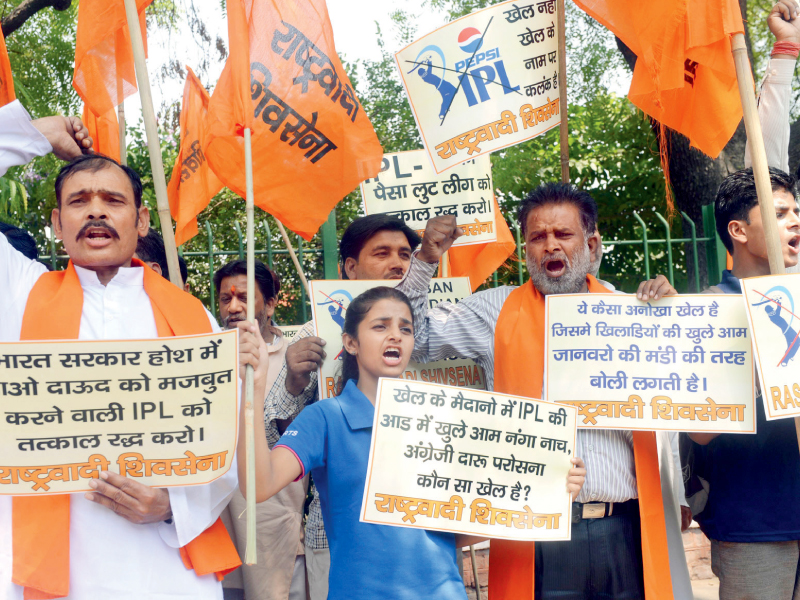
(250,444)
(153,145)
(294,257)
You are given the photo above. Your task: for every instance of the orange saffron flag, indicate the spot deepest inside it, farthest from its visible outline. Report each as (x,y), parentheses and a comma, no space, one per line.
(6,81)
(104,74)
(312,141)
(193,183)
(684,76)
(104,131)
(479,261)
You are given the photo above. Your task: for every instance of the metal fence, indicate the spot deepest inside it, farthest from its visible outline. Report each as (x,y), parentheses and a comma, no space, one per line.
(651,249)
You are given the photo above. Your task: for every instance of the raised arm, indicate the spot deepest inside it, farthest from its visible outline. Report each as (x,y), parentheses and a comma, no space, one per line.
(274,469)
(774,100)
(21,139)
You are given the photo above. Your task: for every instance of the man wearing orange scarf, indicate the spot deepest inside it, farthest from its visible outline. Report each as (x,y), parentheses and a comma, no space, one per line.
(619,540)
(123,540)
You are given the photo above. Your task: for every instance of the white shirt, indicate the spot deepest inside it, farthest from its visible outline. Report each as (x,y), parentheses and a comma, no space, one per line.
(20,141)
(111,558)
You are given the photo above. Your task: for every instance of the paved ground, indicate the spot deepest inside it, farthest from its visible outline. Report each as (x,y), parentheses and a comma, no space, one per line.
(706,589)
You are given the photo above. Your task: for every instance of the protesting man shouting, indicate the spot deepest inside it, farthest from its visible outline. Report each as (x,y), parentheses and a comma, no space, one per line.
(122,540)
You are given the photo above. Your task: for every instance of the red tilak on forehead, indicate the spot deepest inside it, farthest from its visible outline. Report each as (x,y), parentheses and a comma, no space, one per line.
(233,289)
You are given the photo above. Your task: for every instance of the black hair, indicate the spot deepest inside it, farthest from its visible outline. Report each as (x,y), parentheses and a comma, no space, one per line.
(359,232)
(150,248)
(22,241)
(560,193)
(737,196)
(355,313)
(263,276)
(184,269)
(94,163)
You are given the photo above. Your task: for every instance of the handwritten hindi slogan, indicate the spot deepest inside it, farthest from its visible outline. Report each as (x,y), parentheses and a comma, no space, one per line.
(772,314)
(330,299)
(485,81)
(683,363)
(467,461)
(162,412)
(410,189)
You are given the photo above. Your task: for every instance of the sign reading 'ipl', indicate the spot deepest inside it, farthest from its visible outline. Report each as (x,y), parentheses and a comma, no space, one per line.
(330,300)
(407,187)
(486,81)
(683,363)
(161,412)
(467,461)
(772,309)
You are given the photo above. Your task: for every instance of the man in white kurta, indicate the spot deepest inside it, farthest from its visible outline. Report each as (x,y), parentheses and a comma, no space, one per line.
(110,557)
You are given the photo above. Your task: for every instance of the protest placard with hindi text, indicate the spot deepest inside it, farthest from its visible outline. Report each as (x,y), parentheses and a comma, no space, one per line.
(289,331)
(772,314)
(683,363)
(410,189)
(468,461)
(329,302)
(162,412)
(486,81)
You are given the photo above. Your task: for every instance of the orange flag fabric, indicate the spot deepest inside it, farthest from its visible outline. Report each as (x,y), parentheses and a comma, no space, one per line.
(312,141)
(479,261)
(684,75)
(6,81)
(104,74)
(104,131)
(193,183)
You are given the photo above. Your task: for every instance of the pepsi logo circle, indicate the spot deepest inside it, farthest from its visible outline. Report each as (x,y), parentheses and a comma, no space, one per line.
(469,40)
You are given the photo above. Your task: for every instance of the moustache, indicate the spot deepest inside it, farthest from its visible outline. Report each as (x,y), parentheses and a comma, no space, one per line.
(97,225)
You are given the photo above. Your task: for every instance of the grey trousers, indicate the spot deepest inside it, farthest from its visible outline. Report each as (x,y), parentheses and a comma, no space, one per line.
(756,571)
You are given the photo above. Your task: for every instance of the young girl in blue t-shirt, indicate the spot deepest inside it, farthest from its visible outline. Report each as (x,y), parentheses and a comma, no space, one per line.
(331,439)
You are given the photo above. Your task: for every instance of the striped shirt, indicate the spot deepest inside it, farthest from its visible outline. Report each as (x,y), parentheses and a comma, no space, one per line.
(282,405)
(466,330)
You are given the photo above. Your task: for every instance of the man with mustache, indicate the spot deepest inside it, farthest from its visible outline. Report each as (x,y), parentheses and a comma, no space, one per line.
(372,247)
(122,539)
(503,330)
(279,573)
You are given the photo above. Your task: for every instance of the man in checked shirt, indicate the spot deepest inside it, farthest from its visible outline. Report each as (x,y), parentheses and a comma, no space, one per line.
(372,247)
(502,329)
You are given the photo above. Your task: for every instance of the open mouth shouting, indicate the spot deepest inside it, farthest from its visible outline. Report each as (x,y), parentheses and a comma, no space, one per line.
(794,244)
(555,265)
(98,234)
(392,356)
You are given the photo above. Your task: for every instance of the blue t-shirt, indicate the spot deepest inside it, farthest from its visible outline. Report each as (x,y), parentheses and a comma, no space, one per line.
(332,439)
(754,480)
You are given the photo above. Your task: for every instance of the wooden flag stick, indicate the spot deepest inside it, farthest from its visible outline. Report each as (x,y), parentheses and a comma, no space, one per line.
(294,257)
(562,90)
(123,146)
(752,126)
(250,440)
(153,145)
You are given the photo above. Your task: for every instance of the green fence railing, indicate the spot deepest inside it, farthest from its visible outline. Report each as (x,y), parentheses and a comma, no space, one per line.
(652,249)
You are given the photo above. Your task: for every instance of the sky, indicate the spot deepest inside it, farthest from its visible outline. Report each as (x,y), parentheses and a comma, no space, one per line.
(354,33)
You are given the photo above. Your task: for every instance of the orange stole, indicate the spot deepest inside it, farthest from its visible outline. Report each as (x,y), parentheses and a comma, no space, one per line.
(40,524)
(511,564)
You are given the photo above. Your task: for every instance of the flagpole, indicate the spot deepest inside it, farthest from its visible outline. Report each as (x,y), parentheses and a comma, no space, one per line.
(123,147)
(250,440)
(294,257)
(562,90)
(752,125)
(153,145)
